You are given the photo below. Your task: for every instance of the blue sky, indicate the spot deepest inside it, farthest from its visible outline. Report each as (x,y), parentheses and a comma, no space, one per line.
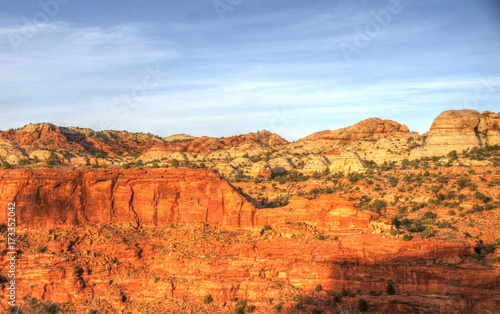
(228,67)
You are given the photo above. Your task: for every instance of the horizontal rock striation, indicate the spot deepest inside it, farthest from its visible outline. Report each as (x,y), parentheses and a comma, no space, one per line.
(460,130)
(48,199)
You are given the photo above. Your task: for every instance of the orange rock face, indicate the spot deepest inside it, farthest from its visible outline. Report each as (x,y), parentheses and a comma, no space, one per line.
(328,212)
(145,240)
(152,198)
(171,269)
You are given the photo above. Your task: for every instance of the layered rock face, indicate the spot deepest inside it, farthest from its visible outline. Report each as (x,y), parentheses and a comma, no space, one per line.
(367,129)
(459,130)
(171,269)
(152,198)
(156,198)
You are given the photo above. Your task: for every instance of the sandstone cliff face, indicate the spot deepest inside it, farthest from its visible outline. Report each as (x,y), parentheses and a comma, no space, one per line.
(460,130)
(155,198)
(169,269)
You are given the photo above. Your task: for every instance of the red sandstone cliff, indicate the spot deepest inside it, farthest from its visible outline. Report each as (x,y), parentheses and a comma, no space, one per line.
(155,198)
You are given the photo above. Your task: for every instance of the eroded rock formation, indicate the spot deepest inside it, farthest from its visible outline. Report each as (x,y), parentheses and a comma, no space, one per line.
(460,130)
(152,198)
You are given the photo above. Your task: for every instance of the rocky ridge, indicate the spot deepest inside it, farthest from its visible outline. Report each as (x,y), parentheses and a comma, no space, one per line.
(328,223)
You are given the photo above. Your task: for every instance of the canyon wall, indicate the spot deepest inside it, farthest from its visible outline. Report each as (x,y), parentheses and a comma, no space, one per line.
(154,198)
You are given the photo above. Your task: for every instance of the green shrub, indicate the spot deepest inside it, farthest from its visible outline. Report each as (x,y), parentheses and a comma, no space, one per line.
(316,311)
(242,303)
(233,299)
(379,205)
(321,237)
(406,237)
(6,165)
(92,311)
(99,155)
(426,233)
(475,255)
(278,307)
(207,299)
(452,212)
(362,305)
(249,308)
(394,232)
(239,310)
(390,289)
(40,249)
(318,288)
(24,162)
(157,279)
(299,306)
(430,215)
(265,228)
(68,155)
(495,259)
(444,224)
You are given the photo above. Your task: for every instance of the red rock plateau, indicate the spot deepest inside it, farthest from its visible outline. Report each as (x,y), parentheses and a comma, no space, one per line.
(369,218)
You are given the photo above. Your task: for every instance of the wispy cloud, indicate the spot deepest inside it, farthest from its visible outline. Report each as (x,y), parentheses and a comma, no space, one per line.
(233,76)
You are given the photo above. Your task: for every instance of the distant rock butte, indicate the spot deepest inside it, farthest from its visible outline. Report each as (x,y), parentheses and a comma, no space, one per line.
(461,129)
(373,128)
(178,137)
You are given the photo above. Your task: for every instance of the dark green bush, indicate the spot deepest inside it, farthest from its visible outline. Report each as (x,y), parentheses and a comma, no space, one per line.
(430,215)
(426,233)
(362,305)
(265,228)
(207,299)
(318,288)
(390,289)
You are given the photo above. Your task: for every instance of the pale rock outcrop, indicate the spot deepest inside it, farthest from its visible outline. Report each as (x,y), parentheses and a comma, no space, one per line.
(454,130)
(218,155)
(489,128)
(79,161)
(179,157)
(345,162)
(225,169)
(240,162)
(281,162)
(42,155)
(372,128)
(460,130)
(260,168)
(316,164)
(178,137)
(10,152)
